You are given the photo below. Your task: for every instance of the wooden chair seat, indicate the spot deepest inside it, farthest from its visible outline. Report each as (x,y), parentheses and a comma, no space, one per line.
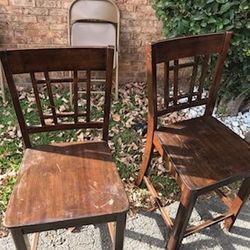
(66,182)
(203,152)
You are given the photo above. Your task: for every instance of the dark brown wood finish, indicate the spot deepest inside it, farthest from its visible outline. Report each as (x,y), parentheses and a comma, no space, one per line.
(203,75)
(48,60)
(166,83)
(69,165)
(88,96)
(38,102)
(201,154)
(75,90)
(75,183)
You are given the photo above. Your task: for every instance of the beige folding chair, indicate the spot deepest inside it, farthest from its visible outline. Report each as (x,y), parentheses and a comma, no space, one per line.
(95,23)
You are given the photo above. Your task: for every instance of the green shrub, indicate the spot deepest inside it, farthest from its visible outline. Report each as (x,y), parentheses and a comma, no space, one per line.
(185,17)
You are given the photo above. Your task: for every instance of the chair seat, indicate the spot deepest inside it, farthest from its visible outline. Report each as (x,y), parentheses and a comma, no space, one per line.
(66,181)
(204,152)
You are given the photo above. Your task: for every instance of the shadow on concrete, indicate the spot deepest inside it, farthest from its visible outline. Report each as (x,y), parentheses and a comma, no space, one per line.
(210,238)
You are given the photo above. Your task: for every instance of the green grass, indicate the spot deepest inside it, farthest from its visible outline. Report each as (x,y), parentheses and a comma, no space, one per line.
(165,185)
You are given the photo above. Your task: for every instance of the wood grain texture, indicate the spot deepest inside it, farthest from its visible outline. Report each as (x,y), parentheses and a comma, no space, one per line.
(204,152)
(188,46)
(65,182)
(51,59)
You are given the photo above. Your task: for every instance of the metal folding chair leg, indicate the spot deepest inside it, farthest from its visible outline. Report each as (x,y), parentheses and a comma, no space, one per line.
(116,77)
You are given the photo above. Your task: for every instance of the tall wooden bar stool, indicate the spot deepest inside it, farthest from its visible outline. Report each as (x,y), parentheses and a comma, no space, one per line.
(64,184)
(201,154)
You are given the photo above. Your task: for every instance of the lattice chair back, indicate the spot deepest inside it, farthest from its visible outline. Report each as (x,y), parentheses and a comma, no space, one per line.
(192,69)
(49,67)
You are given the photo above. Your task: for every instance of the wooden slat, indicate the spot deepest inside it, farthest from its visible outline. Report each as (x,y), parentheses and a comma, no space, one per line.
(181,106)
(204,71)
(96,92)
(193,78)
(207,223)
(88,96)
(108,88)
(181,65)
(50,94)
(176,75)
(75,91)
(163,210)
(62,115)
(38,102)
(54,80)
(166,83)
(66,126)
(183,96)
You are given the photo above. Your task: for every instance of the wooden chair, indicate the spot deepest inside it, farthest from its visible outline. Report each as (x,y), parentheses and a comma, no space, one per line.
(201,153)
(64,184)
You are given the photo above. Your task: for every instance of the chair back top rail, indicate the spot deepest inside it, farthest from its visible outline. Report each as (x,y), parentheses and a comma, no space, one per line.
(171,53)
(102,10)
(52,59)
(45,61)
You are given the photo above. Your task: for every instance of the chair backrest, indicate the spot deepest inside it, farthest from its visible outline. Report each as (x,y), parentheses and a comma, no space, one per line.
(94,22)
(41,66)
(202,59)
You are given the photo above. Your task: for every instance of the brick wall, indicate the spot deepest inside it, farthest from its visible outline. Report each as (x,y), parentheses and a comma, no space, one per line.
(42,23)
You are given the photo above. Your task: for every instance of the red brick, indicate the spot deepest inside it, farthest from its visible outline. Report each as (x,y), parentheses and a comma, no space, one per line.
(22,2)
(43,23)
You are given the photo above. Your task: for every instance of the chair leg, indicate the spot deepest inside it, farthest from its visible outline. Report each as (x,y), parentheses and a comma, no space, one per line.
(120,229)
(116,78)
(147,157)
(19,239)
(238,203)
(185,209)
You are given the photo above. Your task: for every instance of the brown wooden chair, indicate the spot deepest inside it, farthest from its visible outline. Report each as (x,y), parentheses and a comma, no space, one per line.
(201,153)
(64,184)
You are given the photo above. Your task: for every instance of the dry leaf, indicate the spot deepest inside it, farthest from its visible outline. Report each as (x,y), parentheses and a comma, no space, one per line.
(116,117)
